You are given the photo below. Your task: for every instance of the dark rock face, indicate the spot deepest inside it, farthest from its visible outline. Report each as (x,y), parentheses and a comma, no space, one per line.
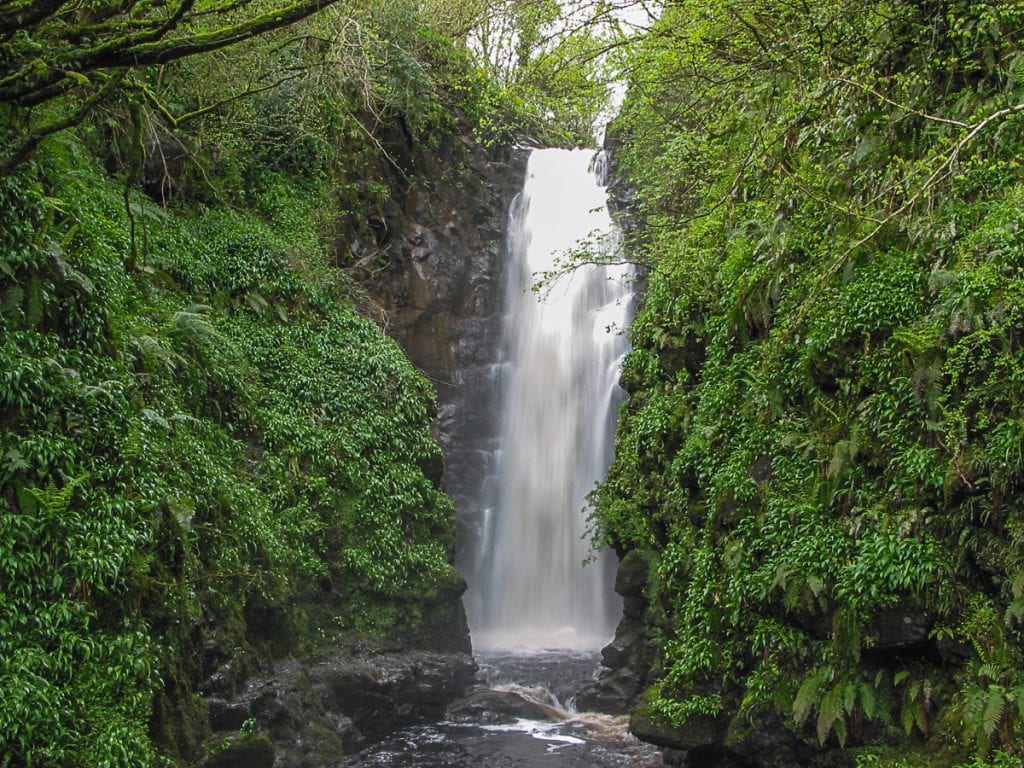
(628,658)
(243,751)
(441,295)
(311,714)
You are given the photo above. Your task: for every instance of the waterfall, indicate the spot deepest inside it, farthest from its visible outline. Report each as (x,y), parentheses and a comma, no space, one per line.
(557,393)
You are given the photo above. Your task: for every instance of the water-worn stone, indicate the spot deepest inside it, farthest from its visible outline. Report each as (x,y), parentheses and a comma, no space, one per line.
(612,694)
(698,732)
(488,706)
(316,712)
(247,750)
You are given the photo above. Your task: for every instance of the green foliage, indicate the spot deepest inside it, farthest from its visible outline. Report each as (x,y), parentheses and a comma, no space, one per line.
(823,428)
(545,62)
(207,440)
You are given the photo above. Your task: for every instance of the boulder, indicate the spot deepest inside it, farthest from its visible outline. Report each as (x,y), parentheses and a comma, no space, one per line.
(247,750)
(488,706)
(698,732)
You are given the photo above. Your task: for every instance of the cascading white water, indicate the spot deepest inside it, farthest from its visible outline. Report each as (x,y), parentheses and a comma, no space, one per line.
(558,394)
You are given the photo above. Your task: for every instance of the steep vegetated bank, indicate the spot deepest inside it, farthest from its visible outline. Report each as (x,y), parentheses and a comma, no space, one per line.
(209,459)
(819,468)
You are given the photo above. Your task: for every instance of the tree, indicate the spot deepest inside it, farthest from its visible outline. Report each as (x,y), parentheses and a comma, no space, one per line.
(71,56)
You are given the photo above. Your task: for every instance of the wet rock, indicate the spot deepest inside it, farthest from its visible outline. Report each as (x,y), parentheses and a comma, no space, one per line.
(632,574)
(316,712)
(492,707)
(617,653)
(249,750)
(628,658)
(699,732)
(700,758)
(227,716)
(612,694)
(764,741)
(899,629)
(442,297)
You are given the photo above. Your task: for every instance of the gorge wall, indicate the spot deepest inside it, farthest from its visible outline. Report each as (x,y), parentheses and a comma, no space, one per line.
(428,256)
(818,479)
(438,290)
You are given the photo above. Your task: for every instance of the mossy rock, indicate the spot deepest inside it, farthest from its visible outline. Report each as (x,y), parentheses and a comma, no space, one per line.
(632,573)
(246,750)
(698,732)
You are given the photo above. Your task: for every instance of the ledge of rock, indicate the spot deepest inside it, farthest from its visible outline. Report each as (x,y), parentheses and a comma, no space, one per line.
(492,707)
(313,713)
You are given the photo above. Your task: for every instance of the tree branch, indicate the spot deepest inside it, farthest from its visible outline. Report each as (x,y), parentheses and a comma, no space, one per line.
(147,48)
(29,144)
(941,172)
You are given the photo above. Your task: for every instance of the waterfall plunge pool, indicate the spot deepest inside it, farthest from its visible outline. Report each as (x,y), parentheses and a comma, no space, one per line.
(564,739)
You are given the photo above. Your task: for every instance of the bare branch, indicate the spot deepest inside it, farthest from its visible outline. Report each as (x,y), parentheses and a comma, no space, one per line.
(944,169)
(904,107)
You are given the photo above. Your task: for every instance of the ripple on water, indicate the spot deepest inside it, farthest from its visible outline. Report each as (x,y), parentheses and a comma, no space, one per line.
(568,739)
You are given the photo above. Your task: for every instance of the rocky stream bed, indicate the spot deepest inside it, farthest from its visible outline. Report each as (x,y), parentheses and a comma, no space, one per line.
(421,710)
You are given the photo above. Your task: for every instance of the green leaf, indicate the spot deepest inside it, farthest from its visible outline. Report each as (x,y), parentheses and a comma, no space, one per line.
(830,711)
(807,696)
(995,706)
(868,700)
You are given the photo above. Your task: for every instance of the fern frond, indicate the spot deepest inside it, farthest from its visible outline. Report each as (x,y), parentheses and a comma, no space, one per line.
(1015,612)
(974,705)
(807,696)
(868,700)
(995,707)
(192,324)
(908,717)
(830,710)
(840,728)
(1017,697)
(849,697)
(1017,584)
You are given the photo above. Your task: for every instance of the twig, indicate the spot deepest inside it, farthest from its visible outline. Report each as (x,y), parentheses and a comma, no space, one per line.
(941,172)
(904,107)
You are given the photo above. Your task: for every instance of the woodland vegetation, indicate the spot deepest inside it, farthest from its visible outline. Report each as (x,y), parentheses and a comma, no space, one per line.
(825,426)
(203,442)
(206,452)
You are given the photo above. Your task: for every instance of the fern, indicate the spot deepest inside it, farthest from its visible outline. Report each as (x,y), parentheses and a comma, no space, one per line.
(1015,612)
(832,710)
(868,700)
(995,708)
(1017,584)
(53,502)
(839,726)
(192,325)
(807,696)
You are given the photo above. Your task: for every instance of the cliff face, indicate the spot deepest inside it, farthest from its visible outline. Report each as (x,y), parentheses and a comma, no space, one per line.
(439,293)
(812,472)
(427,248)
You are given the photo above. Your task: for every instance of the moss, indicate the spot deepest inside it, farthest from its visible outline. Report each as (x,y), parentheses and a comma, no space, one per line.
(246,750)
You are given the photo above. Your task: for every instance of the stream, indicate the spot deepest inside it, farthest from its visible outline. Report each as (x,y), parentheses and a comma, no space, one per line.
(565,739)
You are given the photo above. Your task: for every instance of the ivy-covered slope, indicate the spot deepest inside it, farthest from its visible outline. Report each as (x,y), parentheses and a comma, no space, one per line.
(822,455)
(209,448)
(208,458)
